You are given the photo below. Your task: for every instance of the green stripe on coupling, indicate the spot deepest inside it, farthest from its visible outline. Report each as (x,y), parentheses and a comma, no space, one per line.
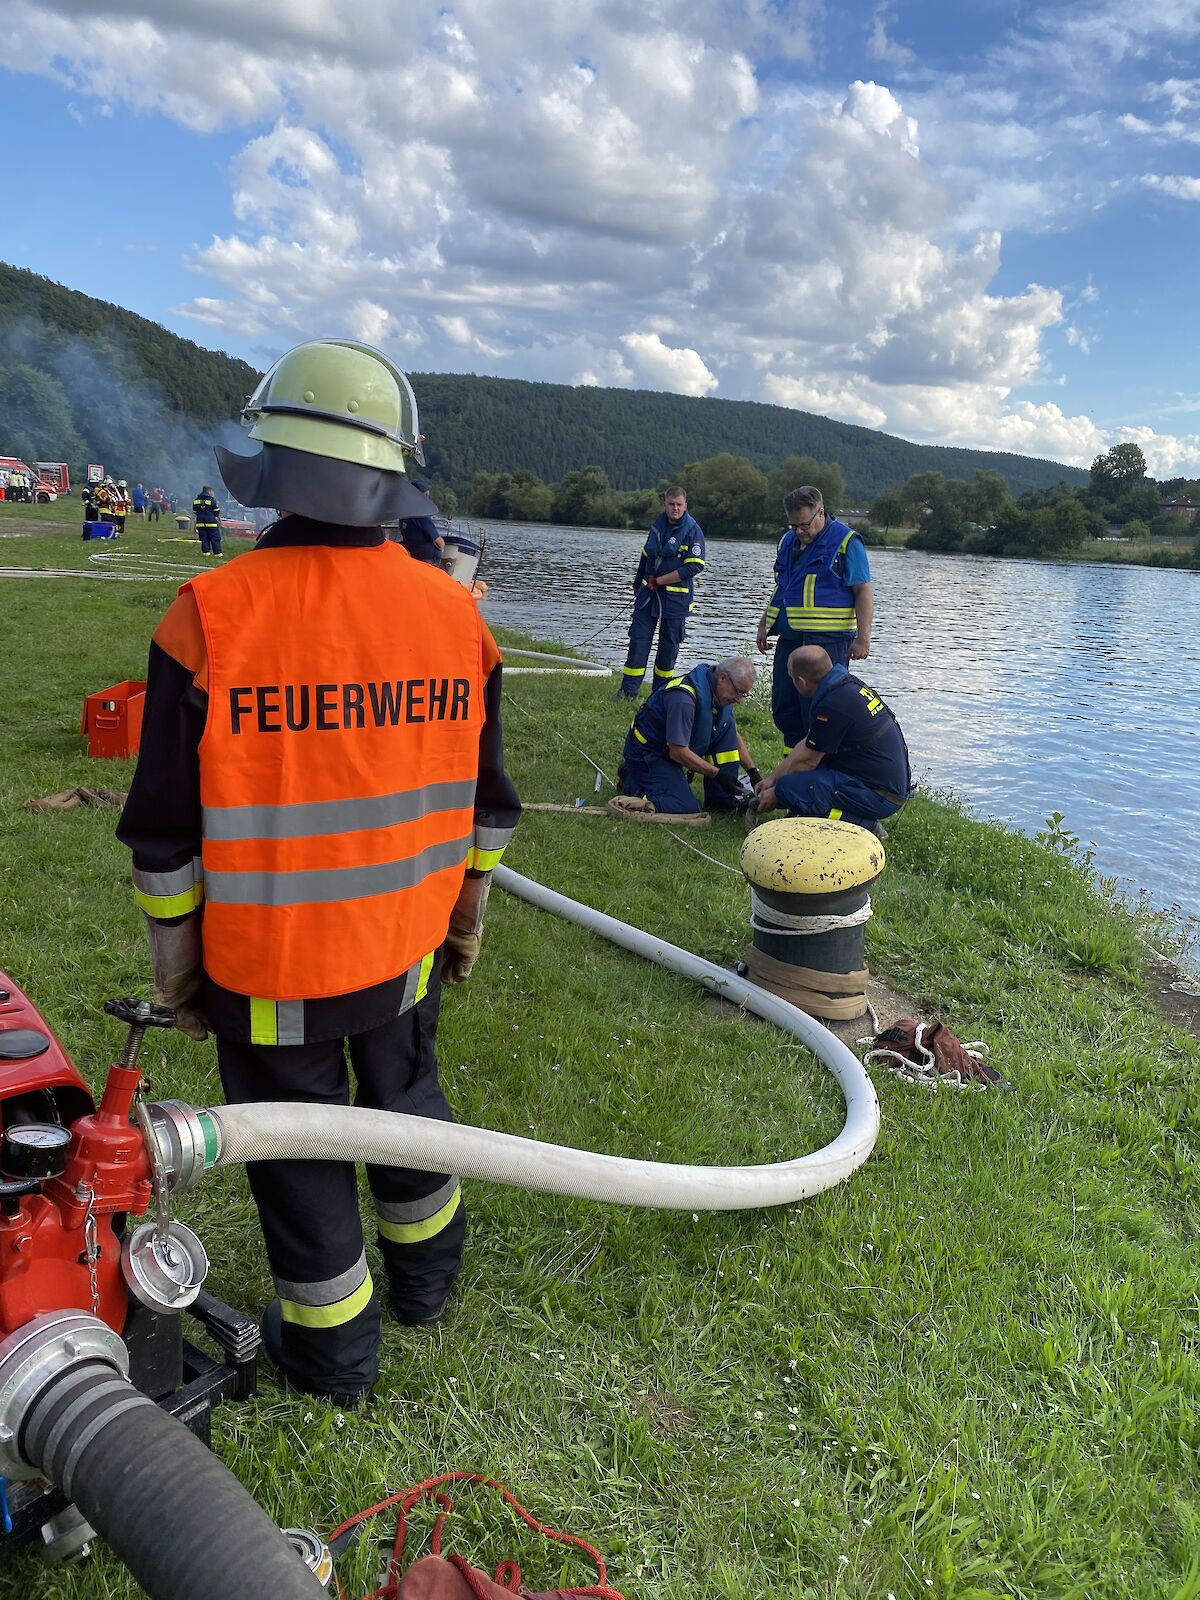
(212,1138)
(264,1021)
(417,1232)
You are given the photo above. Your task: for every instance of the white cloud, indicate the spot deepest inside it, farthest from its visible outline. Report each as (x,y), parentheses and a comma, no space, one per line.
(881,46)
(1181,188)
(661,367)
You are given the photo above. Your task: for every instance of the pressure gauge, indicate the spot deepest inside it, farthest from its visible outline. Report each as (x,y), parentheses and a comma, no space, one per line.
(35,1150)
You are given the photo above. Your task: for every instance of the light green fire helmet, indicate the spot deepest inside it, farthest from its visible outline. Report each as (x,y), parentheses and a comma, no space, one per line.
(337,422)
(335,398)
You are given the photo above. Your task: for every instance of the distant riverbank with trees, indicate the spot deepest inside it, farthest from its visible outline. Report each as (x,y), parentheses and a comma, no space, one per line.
(1119,514)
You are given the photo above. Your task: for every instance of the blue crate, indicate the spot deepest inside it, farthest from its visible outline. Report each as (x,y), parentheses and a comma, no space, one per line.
(98,530)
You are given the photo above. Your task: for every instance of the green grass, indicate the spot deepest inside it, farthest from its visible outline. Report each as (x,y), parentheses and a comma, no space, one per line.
(971,1371)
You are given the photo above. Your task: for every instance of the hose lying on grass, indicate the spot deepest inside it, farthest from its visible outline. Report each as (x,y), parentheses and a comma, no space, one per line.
(289,1131)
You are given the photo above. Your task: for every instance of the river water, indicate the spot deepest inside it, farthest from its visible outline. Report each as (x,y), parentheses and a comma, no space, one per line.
(1024,687)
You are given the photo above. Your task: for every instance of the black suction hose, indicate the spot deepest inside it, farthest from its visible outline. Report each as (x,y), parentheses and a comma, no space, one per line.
(180,1522)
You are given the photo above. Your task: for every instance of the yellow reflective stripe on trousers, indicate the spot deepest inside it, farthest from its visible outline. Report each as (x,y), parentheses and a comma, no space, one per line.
(634,672)
(164,906)
(724,756)
(677,588)
(640,737)
(264,1027)
(417,1232)
(423,977)
(330,1316)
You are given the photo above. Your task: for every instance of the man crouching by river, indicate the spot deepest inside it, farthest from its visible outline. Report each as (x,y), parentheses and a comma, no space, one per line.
(687,727)
(853,764)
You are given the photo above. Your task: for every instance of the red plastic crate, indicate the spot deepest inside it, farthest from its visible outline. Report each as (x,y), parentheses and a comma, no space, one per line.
(112,719)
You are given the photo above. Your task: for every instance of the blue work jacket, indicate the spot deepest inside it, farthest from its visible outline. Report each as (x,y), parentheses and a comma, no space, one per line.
(713,733)
(812,594)
(670,547)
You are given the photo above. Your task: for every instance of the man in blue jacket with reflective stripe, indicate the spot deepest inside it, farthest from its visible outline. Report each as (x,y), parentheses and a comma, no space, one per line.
(853,764)
(671,560)
(688,726)
(822,596)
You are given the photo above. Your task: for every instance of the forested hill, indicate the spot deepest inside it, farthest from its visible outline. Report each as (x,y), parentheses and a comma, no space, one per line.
(638,437)
(82,380)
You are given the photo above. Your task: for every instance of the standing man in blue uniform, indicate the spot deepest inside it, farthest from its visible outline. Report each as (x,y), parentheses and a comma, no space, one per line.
(687,726)
(671,560)
(206,514)
(853,764)
(822,596)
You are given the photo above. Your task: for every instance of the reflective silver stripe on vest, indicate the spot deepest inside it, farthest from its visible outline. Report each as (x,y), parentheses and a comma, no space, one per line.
(403,1211)
(328,1290)
(323,885)
(309,818)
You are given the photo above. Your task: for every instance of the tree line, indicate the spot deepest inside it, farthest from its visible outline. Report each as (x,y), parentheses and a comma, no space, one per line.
(982,517)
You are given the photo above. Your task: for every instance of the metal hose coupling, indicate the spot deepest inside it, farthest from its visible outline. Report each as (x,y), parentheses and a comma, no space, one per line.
(189,1141)
(48,1354)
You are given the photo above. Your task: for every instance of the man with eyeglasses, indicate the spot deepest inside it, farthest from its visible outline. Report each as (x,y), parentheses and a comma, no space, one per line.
(822,597)
(688,727)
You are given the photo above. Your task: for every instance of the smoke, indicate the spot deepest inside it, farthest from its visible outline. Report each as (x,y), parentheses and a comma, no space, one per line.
(81,400)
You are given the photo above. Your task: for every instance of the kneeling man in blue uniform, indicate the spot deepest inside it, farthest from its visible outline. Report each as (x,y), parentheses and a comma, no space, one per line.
(688,726)
(853,764)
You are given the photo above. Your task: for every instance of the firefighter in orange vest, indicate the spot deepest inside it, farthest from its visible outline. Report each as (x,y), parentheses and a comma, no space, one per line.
(318,803)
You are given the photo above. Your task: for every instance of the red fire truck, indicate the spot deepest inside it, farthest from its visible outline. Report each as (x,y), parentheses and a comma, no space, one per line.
(46,483)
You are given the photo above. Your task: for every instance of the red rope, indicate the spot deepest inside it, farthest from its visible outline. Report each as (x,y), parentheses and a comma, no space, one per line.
(508,1573)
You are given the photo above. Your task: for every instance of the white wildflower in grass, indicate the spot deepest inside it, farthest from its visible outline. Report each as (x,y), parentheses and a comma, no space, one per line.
(796,1502)
(758,1416)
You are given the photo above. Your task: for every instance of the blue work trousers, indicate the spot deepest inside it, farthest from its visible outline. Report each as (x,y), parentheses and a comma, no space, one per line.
(672,628)
(661,781)
(790,711)
(210,540)
(826,793)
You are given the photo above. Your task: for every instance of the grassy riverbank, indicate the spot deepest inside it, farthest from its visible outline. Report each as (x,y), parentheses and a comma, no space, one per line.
(972,1371)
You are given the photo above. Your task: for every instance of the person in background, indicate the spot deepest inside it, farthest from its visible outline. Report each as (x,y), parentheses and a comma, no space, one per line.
(122,504)
(671,560)
(139,501)
(156,503)
(822,596)
(206,516)
(319,801)
(419,535)
(88,493)
(688,726)
(853,762)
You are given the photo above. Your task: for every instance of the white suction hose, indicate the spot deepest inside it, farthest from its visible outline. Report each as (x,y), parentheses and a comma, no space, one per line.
(270,1132)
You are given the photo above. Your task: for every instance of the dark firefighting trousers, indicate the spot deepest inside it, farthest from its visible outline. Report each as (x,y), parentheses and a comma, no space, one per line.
(672,630)
(309,1209)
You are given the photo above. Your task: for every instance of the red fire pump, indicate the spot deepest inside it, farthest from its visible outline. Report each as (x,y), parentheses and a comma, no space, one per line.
(104,1406)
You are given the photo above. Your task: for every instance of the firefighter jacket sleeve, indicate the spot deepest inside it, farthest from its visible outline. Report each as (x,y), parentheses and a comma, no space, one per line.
(161,820)
(497,808)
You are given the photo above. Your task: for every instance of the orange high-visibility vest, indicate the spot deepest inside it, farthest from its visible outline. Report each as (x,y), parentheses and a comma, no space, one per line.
(337,767)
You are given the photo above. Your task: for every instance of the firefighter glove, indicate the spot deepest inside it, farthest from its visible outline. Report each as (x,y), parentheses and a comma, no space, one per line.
(755,776)
(464,937)
(175,956)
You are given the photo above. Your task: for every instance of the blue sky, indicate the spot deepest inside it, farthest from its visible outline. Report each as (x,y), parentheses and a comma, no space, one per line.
(962,225)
